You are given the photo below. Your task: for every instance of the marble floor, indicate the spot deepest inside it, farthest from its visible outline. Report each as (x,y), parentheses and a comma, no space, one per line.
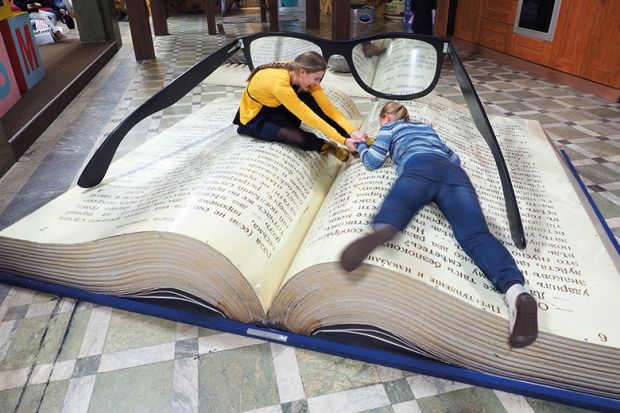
(59,354)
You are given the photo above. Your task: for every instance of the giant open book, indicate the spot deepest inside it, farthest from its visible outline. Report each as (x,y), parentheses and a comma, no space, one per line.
(253,231)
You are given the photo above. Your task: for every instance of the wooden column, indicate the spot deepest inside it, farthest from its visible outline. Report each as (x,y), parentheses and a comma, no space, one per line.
(313,14)
(210,9)
(341,19)
(263,11)
(160,17)
(274,25)
(97,21)
(440,28)
(140,29)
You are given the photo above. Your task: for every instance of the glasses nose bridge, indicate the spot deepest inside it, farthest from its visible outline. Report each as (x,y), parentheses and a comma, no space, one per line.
(330,50)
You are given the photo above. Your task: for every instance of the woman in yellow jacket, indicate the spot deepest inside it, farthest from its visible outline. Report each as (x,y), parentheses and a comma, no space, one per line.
(279,96)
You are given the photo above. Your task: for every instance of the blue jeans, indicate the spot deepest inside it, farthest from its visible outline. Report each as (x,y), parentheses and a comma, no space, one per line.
(431,178)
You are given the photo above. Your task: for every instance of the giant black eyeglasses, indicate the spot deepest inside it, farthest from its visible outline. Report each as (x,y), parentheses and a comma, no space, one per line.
(419,67)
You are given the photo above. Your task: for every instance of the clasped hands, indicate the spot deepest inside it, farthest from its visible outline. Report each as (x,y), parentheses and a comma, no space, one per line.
(354,138)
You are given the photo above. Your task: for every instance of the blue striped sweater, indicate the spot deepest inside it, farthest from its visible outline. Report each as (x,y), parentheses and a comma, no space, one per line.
(403,140)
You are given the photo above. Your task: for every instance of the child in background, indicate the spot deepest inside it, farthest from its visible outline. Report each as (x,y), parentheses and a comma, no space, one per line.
(429,171)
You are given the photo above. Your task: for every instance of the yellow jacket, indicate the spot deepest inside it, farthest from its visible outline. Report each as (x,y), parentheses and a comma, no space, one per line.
(272,87)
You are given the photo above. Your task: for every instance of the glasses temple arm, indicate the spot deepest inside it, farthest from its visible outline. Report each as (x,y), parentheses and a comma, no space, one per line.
(98,164)
(484,127)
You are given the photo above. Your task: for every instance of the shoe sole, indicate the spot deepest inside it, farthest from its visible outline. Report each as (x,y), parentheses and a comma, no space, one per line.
(525,329)
(357,251)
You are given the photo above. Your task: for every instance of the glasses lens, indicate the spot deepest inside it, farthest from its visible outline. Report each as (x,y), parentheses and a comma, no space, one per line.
(279,48)
(398,67)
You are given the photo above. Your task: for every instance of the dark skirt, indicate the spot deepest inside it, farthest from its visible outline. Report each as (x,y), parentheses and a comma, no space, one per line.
(266,124)
(268,121)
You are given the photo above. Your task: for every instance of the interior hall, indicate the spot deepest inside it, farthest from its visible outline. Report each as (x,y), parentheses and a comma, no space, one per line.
(61,354)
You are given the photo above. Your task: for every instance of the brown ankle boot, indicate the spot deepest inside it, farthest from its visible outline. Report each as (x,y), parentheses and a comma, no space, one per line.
(357,251)
(338,151)
(59,37)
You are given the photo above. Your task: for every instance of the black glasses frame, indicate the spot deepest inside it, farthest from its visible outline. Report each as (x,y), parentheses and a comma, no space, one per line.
(344,48)
(97,166)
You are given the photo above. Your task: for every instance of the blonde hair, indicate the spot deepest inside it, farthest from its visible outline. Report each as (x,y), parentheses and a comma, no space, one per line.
(310,62)
(395,109)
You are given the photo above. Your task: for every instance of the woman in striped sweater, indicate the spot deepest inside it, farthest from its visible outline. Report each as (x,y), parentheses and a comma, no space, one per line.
(429,171)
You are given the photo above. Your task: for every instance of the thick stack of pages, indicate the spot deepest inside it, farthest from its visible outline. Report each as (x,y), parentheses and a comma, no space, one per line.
(255,230)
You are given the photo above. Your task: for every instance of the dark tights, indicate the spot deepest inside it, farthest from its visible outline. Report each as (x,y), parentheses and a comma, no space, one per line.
(279,125)
(297,137)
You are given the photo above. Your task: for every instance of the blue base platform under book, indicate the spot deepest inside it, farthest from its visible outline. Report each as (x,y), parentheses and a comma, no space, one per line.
(398,360)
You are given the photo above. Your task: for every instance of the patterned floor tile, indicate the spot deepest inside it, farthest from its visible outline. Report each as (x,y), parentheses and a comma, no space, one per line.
(608,129)
(323,374)
(606,112)
(574,115)
(126,331)
(580,102)
(598,173)
(549,104)
(608,207)
(567,132)
(470,400)
(62,370)
(540,406)
(356,400)
(425,386)
(203,332)
(411,406)
(86,366)
(16,313)
(142,389)
(25,344)
(14,378)
(186,348)
(134,357)
(54,396)
(185,385)
(398,391)
(53,337)
(290,385)
(543,118)
(514,107)
(297,406)
(237,380)
(600,149)
(40,373)
(9,399)
(513,403)
(524,95)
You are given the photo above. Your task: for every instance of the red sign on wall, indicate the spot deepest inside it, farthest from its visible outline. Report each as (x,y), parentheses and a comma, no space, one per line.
(22,50)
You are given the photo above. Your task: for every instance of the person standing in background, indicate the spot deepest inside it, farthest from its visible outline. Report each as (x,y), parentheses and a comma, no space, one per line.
(419,16)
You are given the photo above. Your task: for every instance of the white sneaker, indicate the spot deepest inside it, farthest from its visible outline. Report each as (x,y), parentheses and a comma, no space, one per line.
(523,323)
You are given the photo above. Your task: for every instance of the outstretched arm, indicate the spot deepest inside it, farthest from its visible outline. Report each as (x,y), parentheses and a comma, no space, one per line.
(331,110)
(375,156)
